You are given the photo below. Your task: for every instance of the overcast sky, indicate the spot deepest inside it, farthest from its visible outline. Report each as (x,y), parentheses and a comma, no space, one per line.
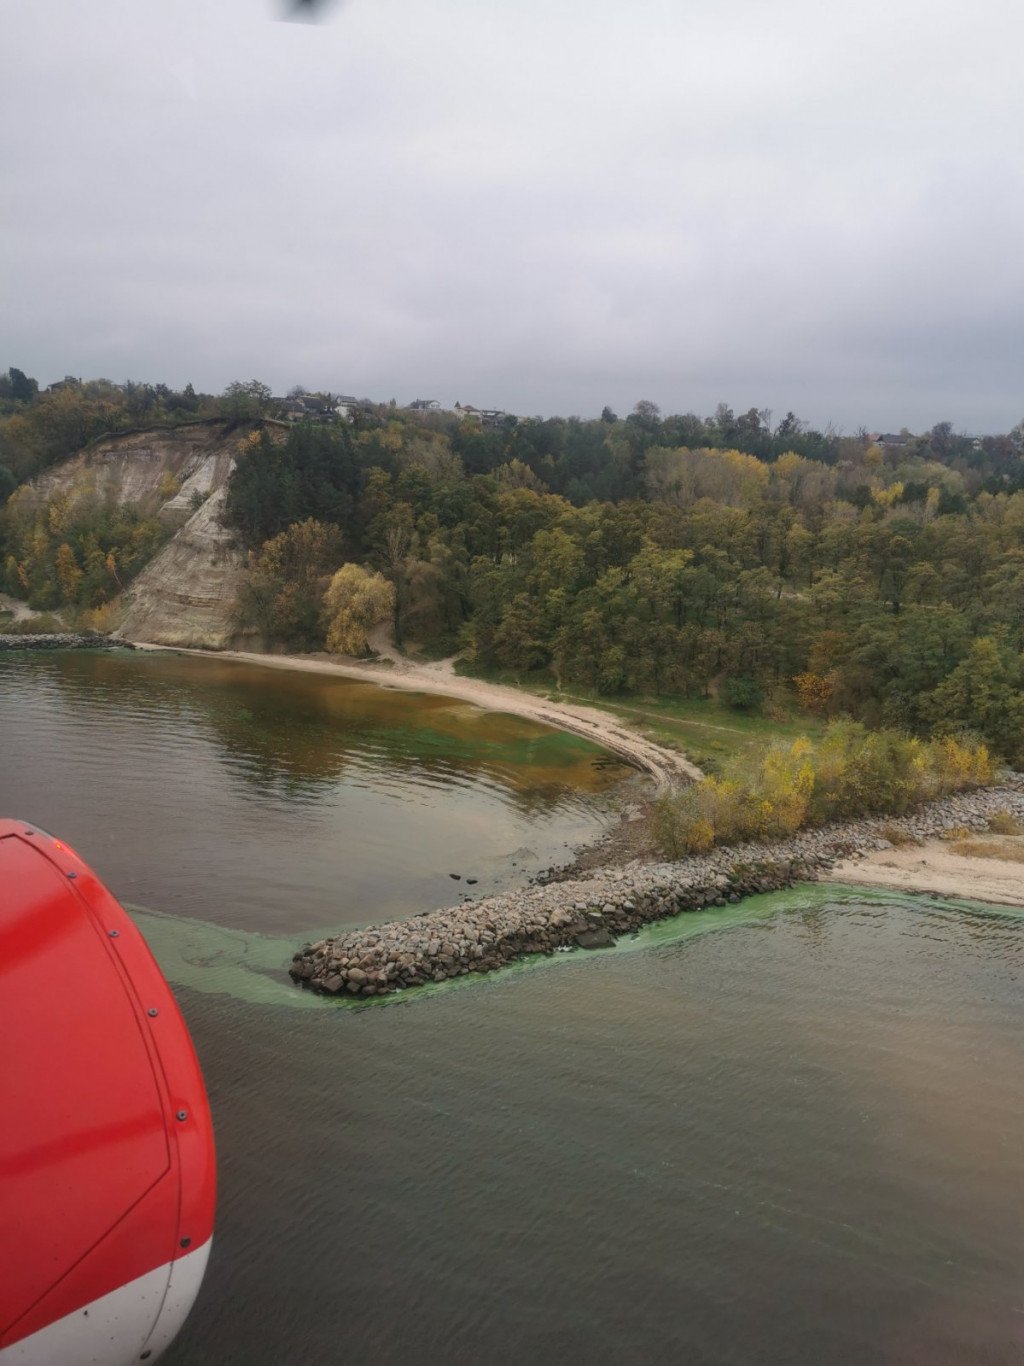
(538,205)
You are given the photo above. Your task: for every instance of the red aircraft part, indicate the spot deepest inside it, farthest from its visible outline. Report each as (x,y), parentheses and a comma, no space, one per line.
(107,1171)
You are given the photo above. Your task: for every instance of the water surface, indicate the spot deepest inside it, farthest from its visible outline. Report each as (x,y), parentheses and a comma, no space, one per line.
(786,1131)
(264,799)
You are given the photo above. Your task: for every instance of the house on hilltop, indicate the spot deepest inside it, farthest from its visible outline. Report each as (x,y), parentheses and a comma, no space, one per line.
(886,439)
(487,417)
(306,408)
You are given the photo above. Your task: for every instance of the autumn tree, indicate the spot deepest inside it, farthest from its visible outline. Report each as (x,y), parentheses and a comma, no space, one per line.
(357,600)
(282,595)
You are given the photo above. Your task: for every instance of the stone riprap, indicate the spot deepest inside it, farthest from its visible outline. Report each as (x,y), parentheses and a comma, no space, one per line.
(60,640)
(480,936)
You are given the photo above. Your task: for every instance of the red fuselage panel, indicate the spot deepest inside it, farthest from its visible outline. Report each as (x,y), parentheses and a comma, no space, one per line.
(106,1149)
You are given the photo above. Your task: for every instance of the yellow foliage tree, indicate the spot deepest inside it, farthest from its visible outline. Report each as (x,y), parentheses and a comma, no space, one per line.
(357,599)
(69,573)
(886,497)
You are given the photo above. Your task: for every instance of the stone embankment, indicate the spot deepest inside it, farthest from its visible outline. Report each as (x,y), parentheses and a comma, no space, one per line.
(61,640)
(478,937)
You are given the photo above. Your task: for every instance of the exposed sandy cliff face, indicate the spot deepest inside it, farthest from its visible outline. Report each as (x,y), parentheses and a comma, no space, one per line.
(185,595)
(134,468)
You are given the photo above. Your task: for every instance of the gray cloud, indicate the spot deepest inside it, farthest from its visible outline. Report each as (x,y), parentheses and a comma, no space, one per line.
(544,205)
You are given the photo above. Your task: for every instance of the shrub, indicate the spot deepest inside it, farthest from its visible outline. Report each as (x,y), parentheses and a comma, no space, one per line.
(102,619)
(742,693)
(1003,822)
(43,624)
(852,772)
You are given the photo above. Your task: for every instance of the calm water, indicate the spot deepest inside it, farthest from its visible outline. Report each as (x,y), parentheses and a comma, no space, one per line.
(271,800)
(787,1131)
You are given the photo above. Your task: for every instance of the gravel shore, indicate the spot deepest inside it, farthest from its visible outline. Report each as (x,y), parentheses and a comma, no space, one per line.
(589,912)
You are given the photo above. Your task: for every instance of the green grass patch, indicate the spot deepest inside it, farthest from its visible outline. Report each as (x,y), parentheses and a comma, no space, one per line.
(713,736)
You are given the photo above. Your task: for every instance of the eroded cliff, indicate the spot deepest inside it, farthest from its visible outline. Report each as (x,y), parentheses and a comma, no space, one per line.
(185,595)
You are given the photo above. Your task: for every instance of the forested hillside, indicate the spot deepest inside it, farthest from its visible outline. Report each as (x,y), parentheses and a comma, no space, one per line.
(887,584)
(760,562)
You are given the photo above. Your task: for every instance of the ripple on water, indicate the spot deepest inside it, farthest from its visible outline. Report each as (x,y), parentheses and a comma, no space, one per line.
(791,1141)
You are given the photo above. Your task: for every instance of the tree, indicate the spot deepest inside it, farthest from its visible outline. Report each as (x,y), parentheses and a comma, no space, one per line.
(357,600)
(985,693)
(69,574)
(245,400)
(18,387)
(283,593)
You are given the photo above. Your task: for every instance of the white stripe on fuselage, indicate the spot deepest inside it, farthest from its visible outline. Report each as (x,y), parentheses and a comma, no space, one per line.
(142,1316)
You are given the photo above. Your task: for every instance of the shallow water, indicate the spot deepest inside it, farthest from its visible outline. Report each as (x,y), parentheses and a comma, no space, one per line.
(264,799)
(786,1131)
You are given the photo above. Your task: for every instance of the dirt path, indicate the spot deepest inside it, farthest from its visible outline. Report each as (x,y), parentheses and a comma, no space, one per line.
(667,768)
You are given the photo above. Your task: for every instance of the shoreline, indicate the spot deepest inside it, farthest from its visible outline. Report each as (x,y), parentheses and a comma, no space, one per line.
(935,868)
(858,854)
(664,766)
(589,912)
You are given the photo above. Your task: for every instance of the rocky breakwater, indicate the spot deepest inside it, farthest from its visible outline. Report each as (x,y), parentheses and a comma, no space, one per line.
(481,936)
(60,640)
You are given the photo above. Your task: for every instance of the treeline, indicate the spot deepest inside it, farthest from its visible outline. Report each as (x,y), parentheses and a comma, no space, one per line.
(39,428)
(578,458)
(881,586)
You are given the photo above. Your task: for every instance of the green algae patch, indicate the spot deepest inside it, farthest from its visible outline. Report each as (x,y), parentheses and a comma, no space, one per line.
(215,960)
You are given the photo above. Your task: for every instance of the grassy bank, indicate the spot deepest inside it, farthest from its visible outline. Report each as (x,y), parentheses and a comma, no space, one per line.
(713,736)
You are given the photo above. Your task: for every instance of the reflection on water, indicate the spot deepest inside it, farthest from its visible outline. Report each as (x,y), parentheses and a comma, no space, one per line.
(265,799)
(796,1140)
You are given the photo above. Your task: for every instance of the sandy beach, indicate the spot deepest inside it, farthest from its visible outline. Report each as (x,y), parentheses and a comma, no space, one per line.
(936,867)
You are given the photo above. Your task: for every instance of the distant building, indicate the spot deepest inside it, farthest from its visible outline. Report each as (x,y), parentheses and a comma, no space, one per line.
(487,417)
(306,408)
(425,405)
(889,439)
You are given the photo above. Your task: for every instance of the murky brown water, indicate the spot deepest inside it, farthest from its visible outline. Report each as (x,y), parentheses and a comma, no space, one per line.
(270,800)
